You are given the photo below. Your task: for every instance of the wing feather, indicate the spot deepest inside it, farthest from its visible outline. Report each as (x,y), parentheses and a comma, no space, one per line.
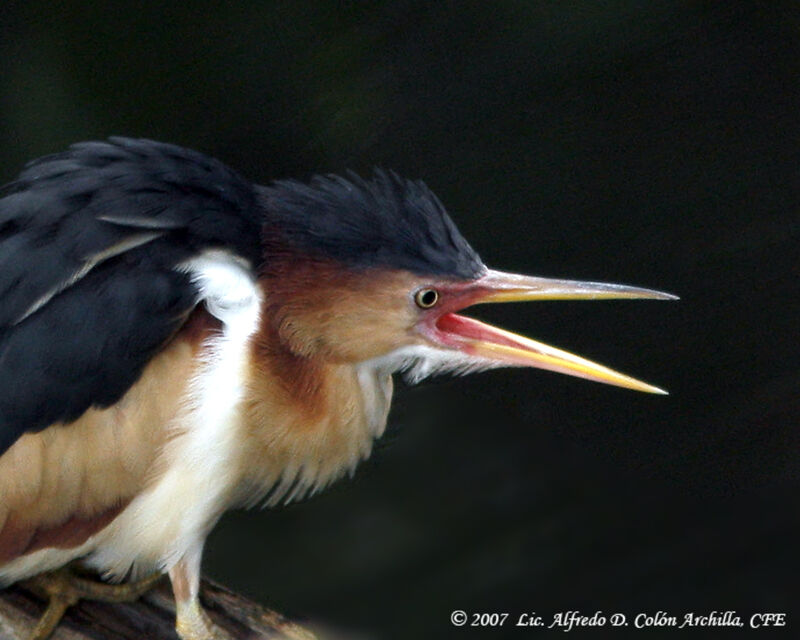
(91,285)
(89,263)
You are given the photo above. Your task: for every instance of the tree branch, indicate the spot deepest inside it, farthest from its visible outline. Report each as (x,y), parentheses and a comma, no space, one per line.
(152,617)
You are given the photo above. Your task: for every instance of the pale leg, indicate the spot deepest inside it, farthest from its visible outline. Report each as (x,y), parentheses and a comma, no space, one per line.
(192,623)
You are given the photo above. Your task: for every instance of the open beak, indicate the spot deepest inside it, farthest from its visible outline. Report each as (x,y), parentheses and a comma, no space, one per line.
(484,341)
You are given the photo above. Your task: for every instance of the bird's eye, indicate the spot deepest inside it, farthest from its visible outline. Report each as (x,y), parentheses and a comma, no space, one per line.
(426,298)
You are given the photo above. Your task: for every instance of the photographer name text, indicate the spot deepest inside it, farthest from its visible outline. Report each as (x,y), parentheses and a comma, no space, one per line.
(574,620)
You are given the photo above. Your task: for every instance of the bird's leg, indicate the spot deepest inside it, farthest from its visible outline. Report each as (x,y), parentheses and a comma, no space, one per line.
(192,622)
(63,588)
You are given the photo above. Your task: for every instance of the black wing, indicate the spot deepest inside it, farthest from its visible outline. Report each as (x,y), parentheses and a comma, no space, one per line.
(89,242)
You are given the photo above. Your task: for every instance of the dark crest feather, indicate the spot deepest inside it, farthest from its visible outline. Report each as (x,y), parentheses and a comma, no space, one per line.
(383,222)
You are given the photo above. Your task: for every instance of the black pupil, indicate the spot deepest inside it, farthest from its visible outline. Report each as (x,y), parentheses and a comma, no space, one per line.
(428,298)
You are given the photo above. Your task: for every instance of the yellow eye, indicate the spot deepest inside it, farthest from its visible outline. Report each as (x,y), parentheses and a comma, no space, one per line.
(426,298)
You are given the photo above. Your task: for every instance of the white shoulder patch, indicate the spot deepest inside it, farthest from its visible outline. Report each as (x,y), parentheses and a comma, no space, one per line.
(226,284)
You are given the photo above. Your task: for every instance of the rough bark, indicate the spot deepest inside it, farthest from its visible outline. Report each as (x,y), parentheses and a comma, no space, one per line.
(151,617)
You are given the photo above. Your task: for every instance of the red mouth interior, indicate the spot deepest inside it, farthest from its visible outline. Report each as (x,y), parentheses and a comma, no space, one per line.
(459,328)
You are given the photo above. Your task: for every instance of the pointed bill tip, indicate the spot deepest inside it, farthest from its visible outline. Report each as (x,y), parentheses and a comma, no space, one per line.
(599,373)
(663,295)
(649,388)
(512,287)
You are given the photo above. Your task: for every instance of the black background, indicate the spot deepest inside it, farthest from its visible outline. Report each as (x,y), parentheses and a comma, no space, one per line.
(651,143)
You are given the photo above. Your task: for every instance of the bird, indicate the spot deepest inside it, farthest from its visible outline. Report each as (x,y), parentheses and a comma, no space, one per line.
(177,341)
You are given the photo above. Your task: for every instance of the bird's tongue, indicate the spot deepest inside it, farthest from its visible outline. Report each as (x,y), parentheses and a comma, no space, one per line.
(481,340)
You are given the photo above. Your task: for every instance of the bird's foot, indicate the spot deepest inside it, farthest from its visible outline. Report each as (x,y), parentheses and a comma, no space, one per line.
(63,588)
(193,623)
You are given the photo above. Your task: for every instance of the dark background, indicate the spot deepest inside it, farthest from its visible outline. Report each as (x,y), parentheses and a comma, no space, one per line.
(652,143)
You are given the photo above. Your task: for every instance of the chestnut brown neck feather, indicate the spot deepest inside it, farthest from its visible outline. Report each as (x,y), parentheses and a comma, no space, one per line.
(301,378)
(311,411)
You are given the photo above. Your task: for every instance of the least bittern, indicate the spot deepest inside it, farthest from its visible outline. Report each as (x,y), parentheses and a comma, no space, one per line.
(176,341)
